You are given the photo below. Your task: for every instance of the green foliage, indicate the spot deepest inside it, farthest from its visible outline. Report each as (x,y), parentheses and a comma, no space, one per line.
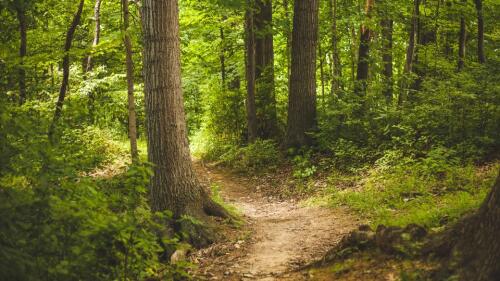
(430,191)
(302,166)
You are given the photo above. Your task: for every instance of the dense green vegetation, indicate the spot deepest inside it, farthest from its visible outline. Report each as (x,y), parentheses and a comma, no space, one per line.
(414,145)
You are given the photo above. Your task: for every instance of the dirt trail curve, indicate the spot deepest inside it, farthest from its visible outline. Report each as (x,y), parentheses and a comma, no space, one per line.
(280,235)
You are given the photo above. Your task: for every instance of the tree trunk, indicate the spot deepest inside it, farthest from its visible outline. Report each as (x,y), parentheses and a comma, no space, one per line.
(132,121)
(461,42)
(288,35)
(222,57)
(302,99)
(336,67)
(264,70)
(480,31)
(97,33)
(322,75)
(364,53)
(21,17)
(250,73)
(387,30)
(174,185)
(65,65)
(410,51)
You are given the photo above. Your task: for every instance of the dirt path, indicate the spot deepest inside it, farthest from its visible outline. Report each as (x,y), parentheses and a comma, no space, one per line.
(278,237)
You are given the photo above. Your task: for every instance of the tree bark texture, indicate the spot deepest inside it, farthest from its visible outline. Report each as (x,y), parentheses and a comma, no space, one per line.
(174,185)
(65,65)
(265,100)
(21,17)
(364,52)
(480,31)
(302,98)
(132,120)
(250,73)
(97,33)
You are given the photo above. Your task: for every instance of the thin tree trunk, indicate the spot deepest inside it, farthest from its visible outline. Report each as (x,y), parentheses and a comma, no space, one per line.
(267,123)
(288,35)
(387,30)
(97,33)
(302,99)
(222,58)
(65,65)
(461,44)
(174,185)
(410,51)
(322,76)
(132,121)
(364,53)
(336,67)
(480,31)
(250,73)
(21,17)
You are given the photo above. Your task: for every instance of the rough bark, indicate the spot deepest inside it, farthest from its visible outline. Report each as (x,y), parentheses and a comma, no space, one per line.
(21,17)
(302,98)
(132,120)
(65,65)
(364,52)
(265,100)
(387,40)
(480,31)
(174,185)
(336,66)
(250,73)
(461,43)
(97,33)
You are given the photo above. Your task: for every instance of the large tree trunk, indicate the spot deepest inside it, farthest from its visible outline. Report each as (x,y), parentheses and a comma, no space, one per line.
(250,72)
(364,52)
(302,99)
(97,33)
(65,65)
(265,100)
(21,17)
(387,28)
(174,185)
(336,66)
(132,121)
(461,43)
(480,31)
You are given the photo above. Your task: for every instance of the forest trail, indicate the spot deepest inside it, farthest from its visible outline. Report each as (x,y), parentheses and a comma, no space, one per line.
(278,236)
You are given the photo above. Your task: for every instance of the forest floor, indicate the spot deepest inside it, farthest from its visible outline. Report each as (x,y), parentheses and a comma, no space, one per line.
(277,238)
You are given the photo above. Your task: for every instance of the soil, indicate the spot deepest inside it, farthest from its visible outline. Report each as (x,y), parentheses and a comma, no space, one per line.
(277,238)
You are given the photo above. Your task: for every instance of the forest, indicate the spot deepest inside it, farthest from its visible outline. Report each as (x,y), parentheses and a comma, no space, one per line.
(249,140)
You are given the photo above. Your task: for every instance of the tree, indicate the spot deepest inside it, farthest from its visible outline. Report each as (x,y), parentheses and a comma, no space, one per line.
(174,185)
(480,31)
(65,65)
(21,17)
(387,25)
(250,73)
(364,52)
(336,66)
(461,42)
(132,122)
(97,33)
(410,49)
(302,98)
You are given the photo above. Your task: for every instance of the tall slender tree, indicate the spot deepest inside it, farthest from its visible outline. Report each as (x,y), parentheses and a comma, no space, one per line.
(302,98)
(174,185)
(250,72)
(336,66)
(65,65)
(97,33)
(387,41)
(21,18)
(132,120)
(364,51)
(462,41)
(480,31)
